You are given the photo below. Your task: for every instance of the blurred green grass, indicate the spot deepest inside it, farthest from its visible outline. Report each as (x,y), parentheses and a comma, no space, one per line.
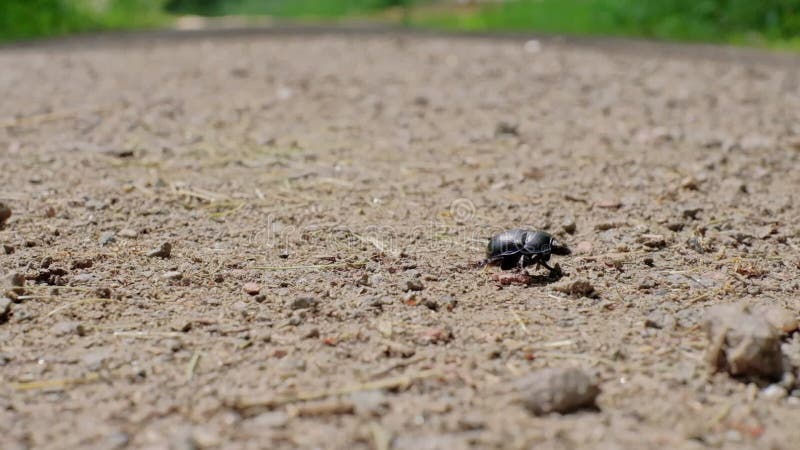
(773,23)
(25,19)
(743,22)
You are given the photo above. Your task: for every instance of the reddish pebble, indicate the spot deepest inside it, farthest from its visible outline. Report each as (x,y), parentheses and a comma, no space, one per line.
(436,335)
(252,288)
(329,341)
(609,204)
(506,278)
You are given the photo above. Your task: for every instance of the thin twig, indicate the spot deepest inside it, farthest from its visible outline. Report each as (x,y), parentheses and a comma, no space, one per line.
(37,297)
(58,288)
(313,266)
(78,302)
(404,363)
(521,322)
(387,383)
(201,194)
(147,334)
(562,343)
(382,438)
(192,367)
(55,384)
(36,119)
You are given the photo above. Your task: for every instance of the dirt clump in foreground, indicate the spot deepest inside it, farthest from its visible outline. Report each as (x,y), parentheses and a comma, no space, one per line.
(269,242)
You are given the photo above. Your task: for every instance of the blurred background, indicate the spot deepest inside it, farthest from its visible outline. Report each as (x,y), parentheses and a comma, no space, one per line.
(767,23)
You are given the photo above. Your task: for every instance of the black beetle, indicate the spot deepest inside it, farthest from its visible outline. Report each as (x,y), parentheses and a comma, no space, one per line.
(522,248)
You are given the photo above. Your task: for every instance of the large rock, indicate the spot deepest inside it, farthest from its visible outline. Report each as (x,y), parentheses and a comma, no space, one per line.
(742,343)
(561,390)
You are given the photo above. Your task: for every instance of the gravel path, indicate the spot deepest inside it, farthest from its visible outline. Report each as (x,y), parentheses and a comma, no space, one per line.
(324,197)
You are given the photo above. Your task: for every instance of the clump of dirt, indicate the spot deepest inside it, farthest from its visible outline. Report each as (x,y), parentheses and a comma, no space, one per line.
(578,288)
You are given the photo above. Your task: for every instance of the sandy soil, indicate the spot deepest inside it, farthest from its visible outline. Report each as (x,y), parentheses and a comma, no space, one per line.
(354,180)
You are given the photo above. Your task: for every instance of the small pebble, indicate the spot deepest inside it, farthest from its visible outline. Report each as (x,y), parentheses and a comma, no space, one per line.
(410,298)
(431,304)
(5,214)
(5,309)
(506,129)
(181,325)
(414,285)
(569,226)
(788,380)
(609,204)
(691,213)
(267,420)
(251,288)
(449,302)
(653,240)
(561,390)
(472,421)
(107,238)
(172,275)
(173,345)
(376,303)
(303,303)
(774,392)
(435,335)
(163,251)
(690,183)
(84,263)
(16,279)
(68,328)
(659,319)
(128,233)
(605,226)
(312,334)
(675,226)
(8,249)
(695,244)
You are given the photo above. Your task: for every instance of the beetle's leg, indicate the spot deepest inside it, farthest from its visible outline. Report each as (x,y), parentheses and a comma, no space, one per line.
(552,270)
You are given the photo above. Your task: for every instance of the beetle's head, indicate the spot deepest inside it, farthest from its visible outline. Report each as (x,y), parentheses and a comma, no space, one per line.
(557,248)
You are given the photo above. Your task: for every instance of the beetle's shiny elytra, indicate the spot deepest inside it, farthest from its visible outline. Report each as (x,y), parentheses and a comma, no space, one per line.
(521,248)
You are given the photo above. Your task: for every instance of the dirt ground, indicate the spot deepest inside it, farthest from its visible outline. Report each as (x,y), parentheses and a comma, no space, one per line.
(352,180)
